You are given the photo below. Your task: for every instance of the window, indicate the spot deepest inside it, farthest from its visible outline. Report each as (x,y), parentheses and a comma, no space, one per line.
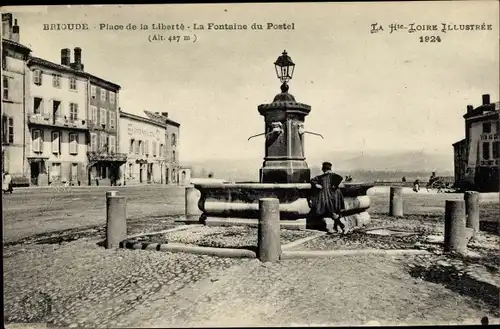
(73,143)
(131,148)
(73,111)
(496,150)
(137,147)
(153,146)
(112,142)
(93,142)
(11,130)
(104,142)
(112,119)
(38,105)
(103,94)
(173,156)
(4,59)
(93,113)
(55,173)
(486,151)
(161,150)
(146,147)
(7,130)
(56,80)
(103,116)
(37,77)
(93,92)
(112,97)
(5,88)
(486,127)
(174,140)
(56,142)
(37,141)
(130,169)
(72,83)
(141,151)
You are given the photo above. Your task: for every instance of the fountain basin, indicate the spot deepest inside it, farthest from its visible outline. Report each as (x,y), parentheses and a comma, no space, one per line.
(241,200)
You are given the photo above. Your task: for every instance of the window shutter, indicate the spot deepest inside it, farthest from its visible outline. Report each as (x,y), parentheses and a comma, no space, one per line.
(5,128)
(55,143)
(40,79)
(76,143)
(40,132)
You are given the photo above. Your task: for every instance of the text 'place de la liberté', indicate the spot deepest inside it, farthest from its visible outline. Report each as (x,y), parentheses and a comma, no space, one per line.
(169,27)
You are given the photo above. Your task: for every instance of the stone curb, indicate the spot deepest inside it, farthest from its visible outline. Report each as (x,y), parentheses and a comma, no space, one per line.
(181,247)
(356,252)
(301,241)
(175,229)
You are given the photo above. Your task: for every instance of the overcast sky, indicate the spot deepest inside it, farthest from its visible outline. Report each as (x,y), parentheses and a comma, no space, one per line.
(368,92)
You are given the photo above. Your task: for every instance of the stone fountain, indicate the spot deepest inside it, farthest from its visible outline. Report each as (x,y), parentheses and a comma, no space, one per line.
(284,174)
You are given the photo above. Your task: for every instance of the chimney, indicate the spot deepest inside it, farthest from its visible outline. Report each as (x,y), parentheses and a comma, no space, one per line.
(7,26)
(165,114)
(77,65)
(470,108)
(65,57)
(486,99)
(15,31)
(78,55)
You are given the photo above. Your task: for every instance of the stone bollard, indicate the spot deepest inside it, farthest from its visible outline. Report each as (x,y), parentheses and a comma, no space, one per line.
(472,210)
(268,241)
(192,198)
(396,202)
(454,227)
(116,220)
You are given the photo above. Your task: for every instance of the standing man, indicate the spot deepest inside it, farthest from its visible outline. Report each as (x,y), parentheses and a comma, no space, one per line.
(327,199)
(7,183)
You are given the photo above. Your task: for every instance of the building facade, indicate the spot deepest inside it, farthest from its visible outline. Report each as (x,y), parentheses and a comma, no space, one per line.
(57,122)
(477,157)
(171,145)
(14,88)
(144,141)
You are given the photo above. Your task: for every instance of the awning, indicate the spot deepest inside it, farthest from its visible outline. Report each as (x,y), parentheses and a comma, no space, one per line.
(141,161)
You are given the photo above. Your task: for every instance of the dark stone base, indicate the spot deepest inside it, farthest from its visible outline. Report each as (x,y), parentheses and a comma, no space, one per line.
(283,172)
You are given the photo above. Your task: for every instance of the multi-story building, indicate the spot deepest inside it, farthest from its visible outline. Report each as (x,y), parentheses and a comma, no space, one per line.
(172,146)
(104,159)
(477,157)
(14,88)
(143,138)
(57,121)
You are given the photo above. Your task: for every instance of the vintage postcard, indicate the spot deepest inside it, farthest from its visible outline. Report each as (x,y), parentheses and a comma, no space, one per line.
(252,164)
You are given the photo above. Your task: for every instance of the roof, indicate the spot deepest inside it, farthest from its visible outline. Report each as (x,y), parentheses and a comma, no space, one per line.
(63,68)
(16,45)
(459,142)
(161,118)
(490,109)
(142,119)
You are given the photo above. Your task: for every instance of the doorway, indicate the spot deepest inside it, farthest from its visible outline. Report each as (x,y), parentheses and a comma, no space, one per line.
(140,173)
(150,172)
(35,172)
(167,177)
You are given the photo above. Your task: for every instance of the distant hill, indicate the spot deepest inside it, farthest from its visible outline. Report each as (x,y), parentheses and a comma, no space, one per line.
(366,166)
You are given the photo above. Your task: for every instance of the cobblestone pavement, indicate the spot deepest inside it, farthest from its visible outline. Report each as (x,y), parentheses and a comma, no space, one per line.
(80,284)
(332,291)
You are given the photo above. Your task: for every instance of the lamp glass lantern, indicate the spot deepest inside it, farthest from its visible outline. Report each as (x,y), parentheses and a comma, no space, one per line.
(284,67)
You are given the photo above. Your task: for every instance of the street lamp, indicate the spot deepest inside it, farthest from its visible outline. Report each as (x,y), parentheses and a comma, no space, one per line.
(284,70)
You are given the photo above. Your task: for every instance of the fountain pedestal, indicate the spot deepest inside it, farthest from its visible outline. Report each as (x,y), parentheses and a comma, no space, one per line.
(284,160)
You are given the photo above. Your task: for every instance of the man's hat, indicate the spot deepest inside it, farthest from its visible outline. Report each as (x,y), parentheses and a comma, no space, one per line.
(326,166)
